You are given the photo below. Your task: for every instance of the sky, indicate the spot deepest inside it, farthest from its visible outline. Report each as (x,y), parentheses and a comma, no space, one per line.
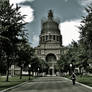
(69,12)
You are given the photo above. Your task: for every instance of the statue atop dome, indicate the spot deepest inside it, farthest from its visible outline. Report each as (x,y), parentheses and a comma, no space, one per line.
(50,14)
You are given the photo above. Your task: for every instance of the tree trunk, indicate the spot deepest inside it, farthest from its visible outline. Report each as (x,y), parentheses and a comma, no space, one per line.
(20,72)
(32,73)
(7,73)
(29,73)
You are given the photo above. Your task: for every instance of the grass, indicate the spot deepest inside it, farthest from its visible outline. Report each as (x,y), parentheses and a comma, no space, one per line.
(87,80)
(12,81)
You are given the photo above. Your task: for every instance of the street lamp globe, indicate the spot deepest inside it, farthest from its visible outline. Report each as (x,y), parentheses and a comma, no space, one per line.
(38,69)
(29,65)
(70,65)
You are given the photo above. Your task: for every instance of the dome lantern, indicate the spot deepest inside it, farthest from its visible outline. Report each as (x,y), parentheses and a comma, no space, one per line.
(50,15)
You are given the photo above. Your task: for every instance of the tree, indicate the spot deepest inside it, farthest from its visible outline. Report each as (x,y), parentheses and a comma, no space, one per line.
(43,66)
(86,36)
(86,31)
(69,56)
(63,63)
(35,64)
(25,55)
(12,28)
(5,50)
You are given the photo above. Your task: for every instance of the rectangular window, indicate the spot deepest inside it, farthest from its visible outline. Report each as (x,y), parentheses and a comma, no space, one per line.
(46,37)
(57,38)
(50,37)
(54,37)
(43,38)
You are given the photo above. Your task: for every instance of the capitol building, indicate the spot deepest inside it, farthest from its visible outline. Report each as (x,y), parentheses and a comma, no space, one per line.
(50,43)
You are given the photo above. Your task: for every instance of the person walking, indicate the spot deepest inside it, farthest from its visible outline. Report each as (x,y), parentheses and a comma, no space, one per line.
(73,78)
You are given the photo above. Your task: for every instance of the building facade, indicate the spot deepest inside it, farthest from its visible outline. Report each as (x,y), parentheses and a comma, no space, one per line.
(50,44)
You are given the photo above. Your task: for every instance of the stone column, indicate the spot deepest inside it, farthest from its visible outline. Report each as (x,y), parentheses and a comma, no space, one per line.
(53,70)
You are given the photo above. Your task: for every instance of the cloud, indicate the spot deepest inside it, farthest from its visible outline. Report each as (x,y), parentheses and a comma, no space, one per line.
(85,2)
(35,40)
(19,1)
(25,10)
(70,31)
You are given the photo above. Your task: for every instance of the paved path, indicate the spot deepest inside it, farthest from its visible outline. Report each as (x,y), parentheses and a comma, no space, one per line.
(51,84)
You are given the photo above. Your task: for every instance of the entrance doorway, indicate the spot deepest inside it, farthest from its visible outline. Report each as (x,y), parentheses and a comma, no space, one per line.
(50,71)
(51,59)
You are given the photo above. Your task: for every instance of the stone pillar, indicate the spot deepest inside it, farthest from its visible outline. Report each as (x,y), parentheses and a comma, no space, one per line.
(53,70)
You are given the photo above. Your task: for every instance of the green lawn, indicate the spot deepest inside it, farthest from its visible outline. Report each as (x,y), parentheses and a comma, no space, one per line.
(12,81)
(87,80)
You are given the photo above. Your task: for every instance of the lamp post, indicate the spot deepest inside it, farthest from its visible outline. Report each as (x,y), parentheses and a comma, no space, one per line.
(29,70)
(38,71)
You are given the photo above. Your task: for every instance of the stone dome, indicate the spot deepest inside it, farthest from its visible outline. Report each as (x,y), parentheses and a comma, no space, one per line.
(50,25)
(50,32)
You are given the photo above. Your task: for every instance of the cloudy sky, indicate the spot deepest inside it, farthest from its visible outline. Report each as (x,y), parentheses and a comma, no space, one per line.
(69,12)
